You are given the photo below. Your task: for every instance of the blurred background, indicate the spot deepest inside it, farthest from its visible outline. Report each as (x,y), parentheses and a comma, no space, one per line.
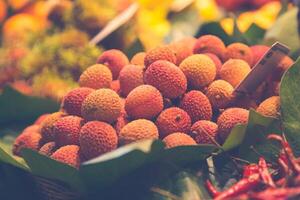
(45,45)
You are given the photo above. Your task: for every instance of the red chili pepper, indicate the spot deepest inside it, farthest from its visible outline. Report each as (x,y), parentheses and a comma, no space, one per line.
(292,161)
(264,172)
(250,170)
(281,182)
(284,168)
(211,189)
(278,194)
(242,186)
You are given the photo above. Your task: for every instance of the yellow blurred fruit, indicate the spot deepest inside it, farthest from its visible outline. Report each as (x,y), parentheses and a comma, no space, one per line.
(263,17)
(20,24)
(18,4)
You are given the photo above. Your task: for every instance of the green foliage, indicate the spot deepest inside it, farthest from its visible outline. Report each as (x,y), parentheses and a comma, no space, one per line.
(285,30)
(16,107)
(67,52)
(290,106)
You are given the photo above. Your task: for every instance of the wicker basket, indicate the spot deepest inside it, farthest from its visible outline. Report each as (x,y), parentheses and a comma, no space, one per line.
(53,190)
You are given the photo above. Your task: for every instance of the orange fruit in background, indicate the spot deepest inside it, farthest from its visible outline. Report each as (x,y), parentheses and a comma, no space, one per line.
(18,25)
(18,4)
(39,8)
(3,11)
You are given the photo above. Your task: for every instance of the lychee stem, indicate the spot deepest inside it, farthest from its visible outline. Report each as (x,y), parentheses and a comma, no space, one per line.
(177,118)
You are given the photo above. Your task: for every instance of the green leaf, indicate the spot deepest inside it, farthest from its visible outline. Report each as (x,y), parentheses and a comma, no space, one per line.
(254,34)
(183,185)
(17,107)
(245,134)
(8,158)
(113,165)
(7,137)
(46,167)
(183,155)
(290,105)
(235,138)
(255,143)
(285,30)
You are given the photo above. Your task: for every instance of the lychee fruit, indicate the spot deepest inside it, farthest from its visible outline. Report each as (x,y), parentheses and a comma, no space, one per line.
(199,70)
(258,51)
(216,60)
(167,78)
(173,120)
(69,155)
(47,126)
(197,105)
(115,86)
(284,64)
(210,44)
(41,118)
(30,140)
(160,53)
(270,107)
(239,51)
(136,130)
(72,101)
(178,139)
(203,130)
(234,71)
(115,60)
(219,94)
(130,77)
(67,129)
(138,59)
(229,119)
(145,101)
(103,105)
(32,128)
(97,138)
(96,76)
(48,149)
(183,48)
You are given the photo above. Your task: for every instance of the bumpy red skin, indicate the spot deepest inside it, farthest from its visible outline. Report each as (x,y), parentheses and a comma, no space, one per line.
(216,60)
(48,148)
(67,130)
(115,60)
(159,53)
(41,118)
(173,120)
(167,78)
(27,139)
(258,51)
(144,102)
(197,105)
(69,154)
(72,101)
(210,44)
(202,131)
(97,138)
(232,117)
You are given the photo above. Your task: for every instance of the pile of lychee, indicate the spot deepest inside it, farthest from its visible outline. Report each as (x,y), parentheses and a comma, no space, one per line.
(181,93)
